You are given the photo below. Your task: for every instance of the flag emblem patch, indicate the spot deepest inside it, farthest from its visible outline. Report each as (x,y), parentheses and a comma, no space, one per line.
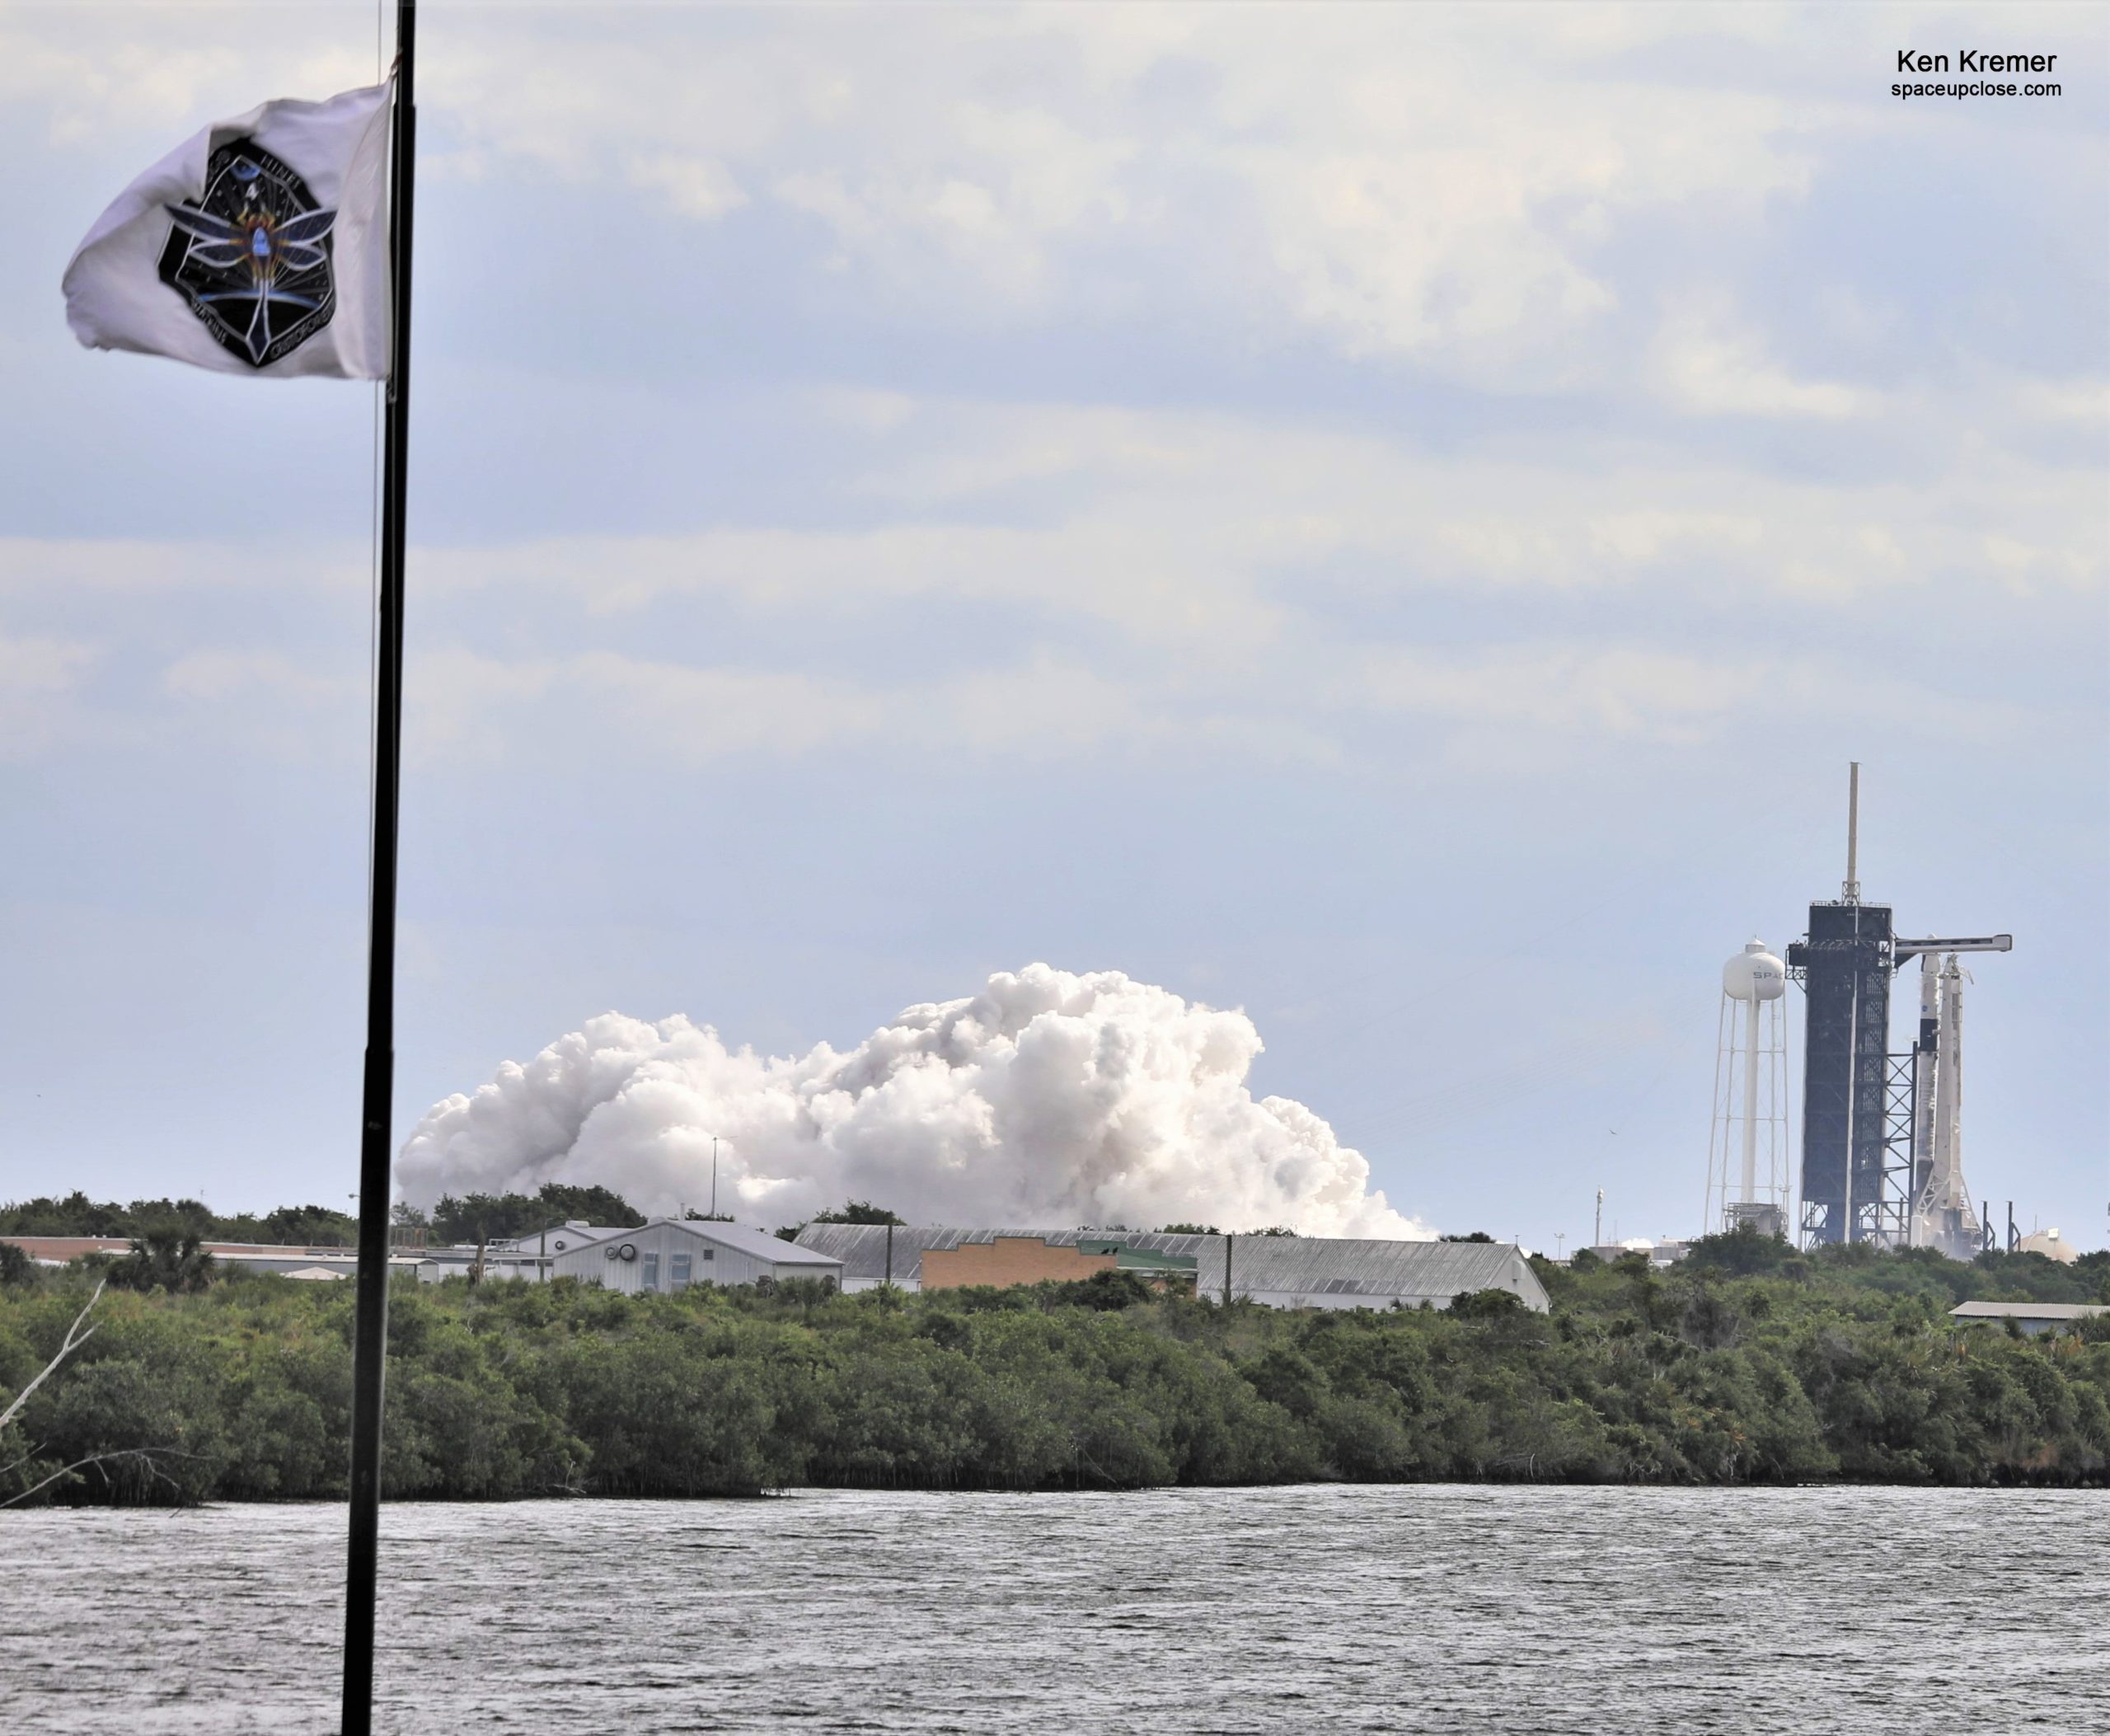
(251,255)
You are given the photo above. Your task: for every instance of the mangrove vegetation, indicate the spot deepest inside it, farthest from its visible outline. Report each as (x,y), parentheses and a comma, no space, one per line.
(1749,1363)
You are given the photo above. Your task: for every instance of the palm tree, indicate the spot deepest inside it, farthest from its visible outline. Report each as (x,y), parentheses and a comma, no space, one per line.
(172,1259)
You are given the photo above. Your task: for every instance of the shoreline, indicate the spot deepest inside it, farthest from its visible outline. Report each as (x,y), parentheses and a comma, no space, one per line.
(1838,1374)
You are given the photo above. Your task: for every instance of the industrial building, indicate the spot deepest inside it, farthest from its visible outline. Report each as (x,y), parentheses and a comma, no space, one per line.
(1661,1255)
(1032,1259)
(1279,1271)
(2031,1318)
(519,1256)
(665,1255)
(670,1253)
(288,1259)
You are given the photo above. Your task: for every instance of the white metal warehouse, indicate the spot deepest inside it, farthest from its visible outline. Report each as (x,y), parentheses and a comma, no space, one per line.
(1280,1271)
(670,1253)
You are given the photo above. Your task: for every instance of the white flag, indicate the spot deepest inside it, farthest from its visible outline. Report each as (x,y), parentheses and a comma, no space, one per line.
(260,246)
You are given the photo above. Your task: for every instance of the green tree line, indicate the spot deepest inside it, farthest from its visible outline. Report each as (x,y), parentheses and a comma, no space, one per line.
(469,1219)
(76,1214)
(481,1217)
(1841,1367)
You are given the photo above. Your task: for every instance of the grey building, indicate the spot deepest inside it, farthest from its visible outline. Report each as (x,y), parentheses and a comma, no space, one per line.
(1661,1254)
(554,1239)
(519,1256)
(2033,1317)
(312,1263)
(442,1262)
(1281,1271)
(670,1253)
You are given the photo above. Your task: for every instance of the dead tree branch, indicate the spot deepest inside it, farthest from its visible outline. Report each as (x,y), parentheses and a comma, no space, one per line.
(75,1338)
(145,1455)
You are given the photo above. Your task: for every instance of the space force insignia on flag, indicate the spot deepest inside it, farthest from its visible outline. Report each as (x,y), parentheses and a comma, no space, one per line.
(252,254)
(258,246)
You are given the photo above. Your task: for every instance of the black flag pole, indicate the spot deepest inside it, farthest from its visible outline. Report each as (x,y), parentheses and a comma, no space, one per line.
(370,1344)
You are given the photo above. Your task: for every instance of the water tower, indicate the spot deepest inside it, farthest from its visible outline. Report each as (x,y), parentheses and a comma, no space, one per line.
(1748,1141)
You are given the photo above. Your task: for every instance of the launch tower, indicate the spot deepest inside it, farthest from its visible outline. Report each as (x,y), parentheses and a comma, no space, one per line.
(1881,1157)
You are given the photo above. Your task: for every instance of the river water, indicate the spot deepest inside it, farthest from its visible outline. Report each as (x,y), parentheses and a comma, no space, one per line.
(1435,1608)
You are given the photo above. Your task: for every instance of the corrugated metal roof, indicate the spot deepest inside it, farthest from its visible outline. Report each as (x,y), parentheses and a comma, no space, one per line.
(2028,1311)
(1276,1265)
(755,1244)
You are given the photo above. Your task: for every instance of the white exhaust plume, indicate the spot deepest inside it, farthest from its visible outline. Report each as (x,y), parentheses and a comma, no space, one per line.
(1046,1101)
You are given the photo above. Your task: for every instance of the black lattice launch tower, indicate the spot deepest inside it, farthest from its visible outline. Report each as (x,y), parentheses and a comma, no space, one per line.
(1868,1144)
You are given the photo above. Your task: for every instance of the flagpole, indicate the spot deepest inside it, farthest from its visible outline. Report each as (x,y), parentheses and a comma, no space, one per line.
(371,1341)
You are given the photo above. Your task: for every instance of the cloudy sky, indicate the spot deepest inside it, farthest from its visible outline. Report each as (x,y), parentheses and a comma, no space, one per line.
(1391,519)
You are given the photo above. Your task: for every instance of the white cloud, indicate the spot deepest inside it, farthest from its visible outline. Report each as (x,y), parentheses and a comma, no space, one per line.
(1182,582)
(1401,183)
(1203,531)
(270,702)
(37,676)
(1702,364)
(700,187)
(51,567)
(1179,578)
(466,705)
(2065,401)
(214,676)
(1568,702)
(1047,1099)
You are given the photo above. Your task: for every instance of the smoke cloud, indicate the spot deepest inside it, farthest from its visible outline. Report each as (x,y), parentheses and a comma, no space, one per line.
(1048,1100)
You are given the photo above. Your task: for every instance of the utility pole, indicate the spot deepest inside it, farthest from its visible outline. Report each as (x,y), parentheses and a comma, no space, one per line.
(1597,1234)
(714,1175)
(1227,1242)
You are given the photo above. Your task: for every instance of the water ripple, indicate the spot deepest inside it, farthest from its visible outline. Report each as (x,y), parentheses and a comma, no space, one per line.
(1427,1608)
